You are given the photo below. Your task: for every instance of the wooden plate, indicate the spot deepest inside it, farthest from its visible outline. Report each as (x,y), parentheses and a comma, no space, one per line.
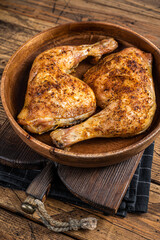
(91,153)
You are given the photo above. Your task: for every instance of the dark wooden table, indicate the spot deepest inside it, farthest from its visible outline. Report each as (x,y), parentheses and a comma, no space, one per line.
(20,20)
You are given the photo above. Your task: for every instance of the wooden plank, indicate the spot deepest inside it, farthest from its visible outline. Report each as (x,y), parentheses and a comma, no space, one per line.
(2,115)
(91,184)
(134,226)
(16,30)
(14,152)
(138,16)
(33,9)
(18,227)
(155,177)
(21,27)
(113,180)
(135,7)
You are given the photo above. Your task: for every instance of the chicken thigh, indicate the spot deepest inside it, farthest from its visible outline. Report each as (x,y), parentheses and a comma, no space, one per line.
(54,98)
(123,86)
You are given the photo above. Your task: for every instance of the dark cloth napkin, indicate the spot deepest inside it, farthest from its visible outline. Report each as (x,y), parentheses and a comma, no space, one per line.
(135,199)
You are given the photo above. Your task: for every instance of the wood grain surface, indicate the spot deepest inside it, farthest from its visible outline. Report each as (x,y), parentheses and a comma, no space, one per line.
(21,20)
(14,152)
(134,226)
(91,184)
(112,180)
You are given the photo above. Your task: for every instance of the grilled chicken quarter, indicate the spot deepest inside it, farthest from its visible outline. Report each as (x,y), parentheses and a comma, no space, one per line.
(54,98)
(124,89)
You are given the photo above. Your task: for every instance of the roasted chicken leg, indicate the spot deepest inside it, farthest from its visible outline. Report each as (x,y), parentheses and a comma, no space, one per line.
(123,85)
(54,98)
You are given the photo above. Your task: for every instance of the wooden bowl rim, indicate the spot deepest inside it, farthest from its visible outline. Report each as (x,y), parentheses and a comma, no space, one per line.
(49,148)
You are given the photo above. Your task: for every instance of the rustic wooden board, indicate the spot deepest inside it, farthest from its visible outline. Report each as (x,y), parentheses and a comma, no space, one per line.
(155,177)
(29,230)
(14,152)
(102,187)
(134,226)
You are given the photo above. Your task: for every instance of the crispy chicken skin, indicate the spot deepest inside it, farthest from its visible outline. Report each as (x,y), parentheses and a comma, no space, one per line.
(54,98)
(123,86)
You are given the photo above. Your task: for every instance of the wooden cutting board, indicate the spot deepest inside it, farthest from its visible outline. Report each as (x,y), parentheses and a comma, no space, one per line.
(103,188)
